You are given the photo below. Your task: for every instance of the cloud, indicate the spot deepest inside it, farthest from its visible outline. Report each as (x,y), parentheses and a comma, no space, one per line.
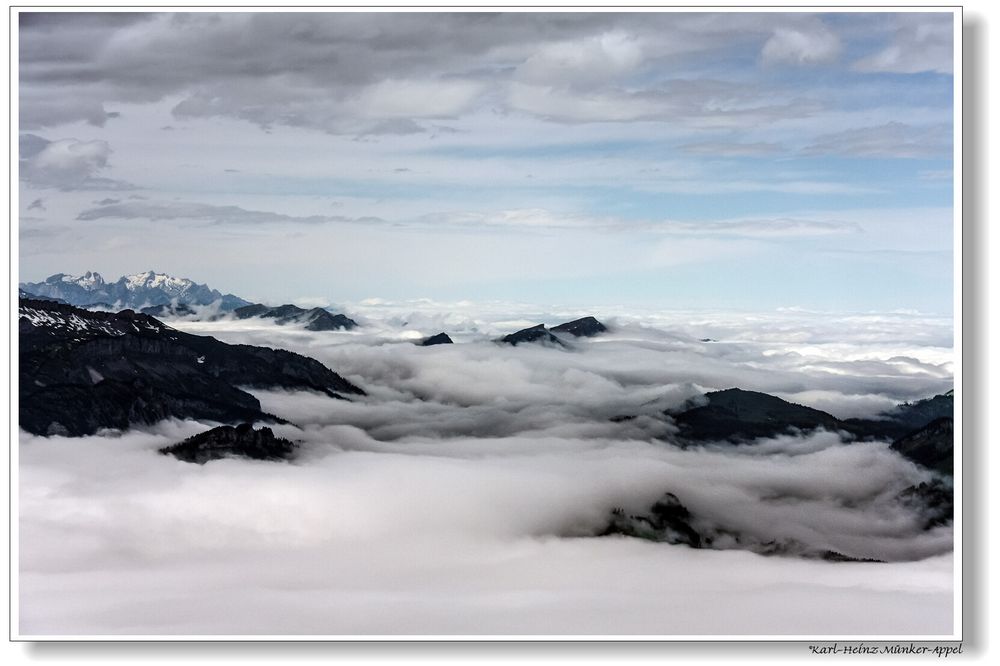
(414,98)
(936,175)
(730,149)
(522,219)
(698,103)
(923,42)
(360,541)
(894,139)
(801,46)
(764,228)
(528,219)
(65,164)
(185,210)
(582,63)
(347,72)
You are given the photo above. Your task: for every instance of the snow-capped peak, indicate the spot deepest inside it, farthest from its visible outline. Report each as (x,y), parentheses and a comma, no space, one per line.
(89,280)
(154,280)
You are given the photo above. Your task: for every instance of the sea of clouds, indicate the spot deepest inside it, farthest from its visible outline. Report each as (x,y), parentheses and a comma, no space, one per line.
(463,493)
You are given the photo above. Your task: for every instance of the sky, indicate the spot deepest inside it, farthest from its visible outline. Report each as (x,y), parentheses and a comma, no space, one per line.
(669,160)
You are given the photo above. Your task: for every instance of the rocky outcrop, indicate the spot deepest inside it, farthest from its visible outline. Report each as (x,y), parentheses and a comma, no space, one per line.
(314,319)
(668,521)
(81,371)
(229,442)
(536,334)
(439,339)
(584,327)
(934,500)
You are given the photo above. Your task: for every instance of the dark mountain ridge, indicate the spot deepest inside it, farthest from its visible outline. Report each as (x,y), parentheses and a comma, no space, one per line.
(737,414)
(315,319)
(583,327)
(536,334)
(81,371)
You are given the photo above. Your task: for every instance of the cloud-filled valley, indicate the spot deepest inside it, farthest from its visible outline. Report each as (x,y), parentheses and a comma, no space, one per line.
(478,470)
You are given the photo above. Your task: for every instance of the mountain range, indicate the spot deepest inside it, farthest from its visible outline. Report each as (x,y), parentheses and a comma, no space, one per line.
(130,291)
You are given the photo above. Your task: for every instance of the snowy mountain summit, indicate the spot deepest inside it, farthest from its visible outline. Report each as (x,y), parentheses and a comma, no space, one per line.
(130,291)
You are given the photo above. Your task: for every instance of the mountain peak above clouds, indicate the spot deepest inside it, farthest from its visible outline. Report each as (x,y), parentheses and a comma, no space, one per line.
(89,280)
(154,280)
(315,319)
(584,327)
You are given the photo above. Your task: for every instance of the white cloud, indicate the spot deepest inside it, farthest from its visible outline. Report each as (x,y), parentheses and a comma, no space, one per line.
(731,149)
(395,98)
(65,163)
(476,536)
(893,139)
(572,106)
(815,44)
(583,63)
(923,42)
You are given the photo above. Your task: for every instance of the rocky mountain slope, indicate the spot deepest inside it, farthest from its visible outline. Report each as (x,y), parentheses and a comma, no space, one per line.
(81,371)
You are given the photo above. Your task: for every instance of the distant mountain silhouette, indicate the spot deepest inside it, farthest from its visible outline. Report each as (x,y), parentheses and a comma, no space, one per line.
(130,291)
(315,319)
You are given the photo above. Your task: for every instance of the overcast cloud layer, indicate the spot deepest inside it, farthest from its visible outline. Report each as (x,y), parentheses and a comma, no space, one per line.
(680,159)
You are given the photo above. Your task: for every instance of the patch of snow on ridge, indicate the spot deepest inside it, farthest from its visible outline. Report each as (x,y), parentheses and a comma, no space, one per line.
(88,280)
(47,319)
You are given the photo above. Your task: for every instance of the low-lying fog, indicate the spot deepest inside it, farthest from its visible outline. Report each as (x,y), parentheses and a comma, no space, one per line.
(461,495)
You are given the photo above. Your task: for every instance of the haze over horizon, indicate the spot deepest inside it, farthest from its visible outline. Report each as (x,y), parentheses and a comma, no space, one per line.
(729,160)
